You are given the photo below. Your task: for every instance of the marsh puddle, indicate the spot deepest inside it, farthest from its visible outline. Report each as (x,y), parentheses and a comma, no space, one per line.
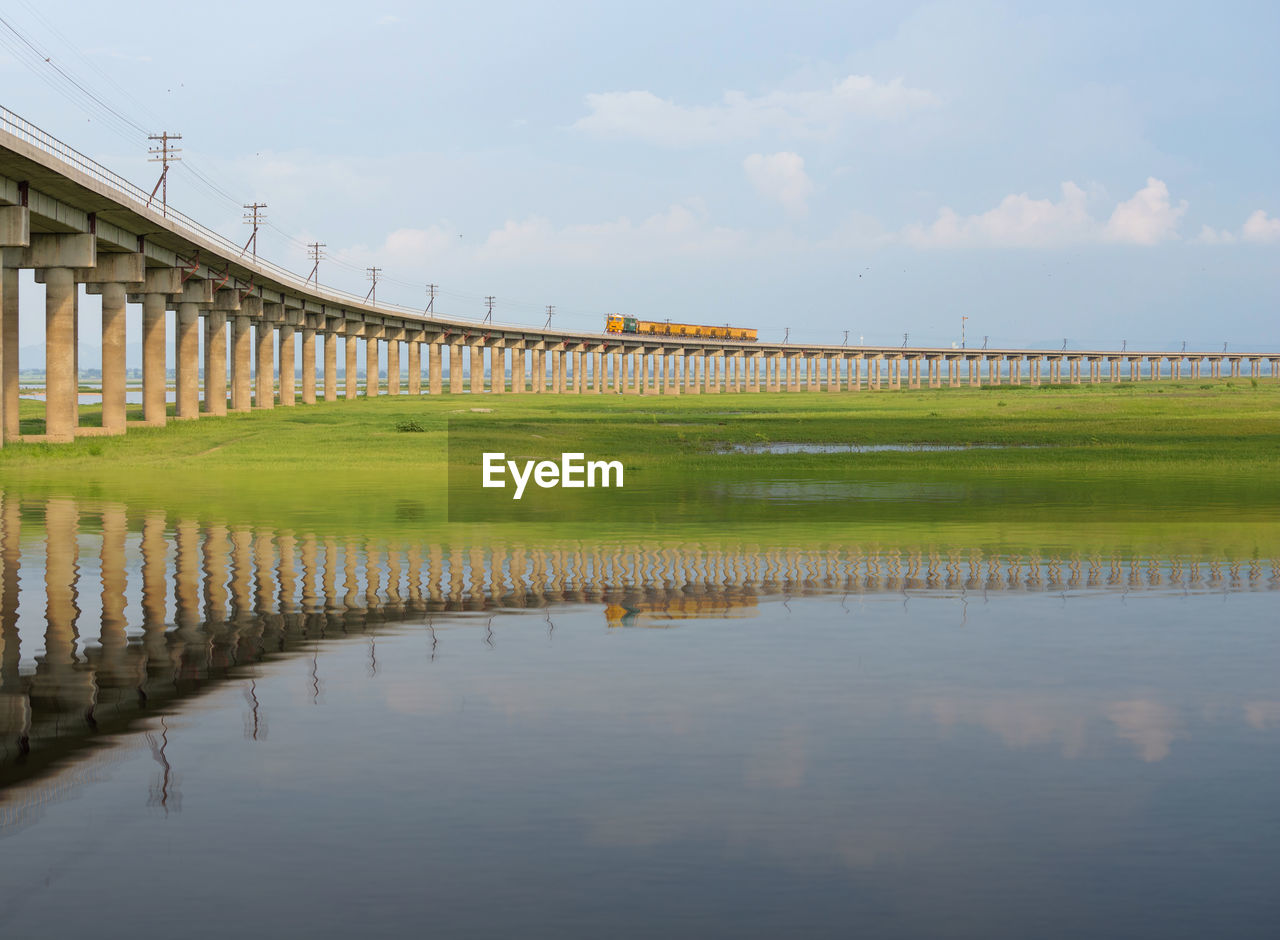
(794,447)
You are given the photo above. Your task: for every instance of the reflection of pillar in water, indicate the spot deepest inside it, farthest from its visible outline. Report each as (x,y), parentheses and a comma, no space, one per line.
(393,574)
(15,709)
(373,575)
(263,588)
(186,574)
(241,574)
(414,561)
(328,581)
(476,586)
(111,638)
(310,562)
(216,547)
(434,573)
(11,556)
(287,573)
(56,679)
(350,575)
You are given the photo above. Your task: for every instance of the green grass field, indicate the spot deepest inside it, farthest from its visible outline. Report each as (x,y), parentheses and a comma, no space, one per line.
(1152,467)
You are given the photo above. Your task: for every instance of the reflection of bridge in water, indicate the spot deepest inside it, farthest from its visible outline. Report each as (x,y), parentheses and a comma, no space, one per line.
(179,607)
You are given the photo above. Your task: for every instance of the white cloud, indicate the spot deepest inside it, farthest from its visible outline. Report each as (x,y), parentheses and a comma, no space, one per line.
(1147,218)
(780,177)
(682,229)
(1214,236)
(1018,220)
(643,115)
(1260,227)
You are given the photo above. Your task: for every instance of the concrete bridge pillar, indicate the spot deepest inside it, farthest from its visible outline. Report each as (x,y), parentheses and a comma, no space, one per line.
(9,344)
(349,353)
(330,341)
(154,380)
(597,372)
(265,376)
(538,369)
(517,369)
(498,368)
(1275,368)
(240,354)
(1235,368)
(372,362)
(415,367)
(113,358)
(477,368)
(215,362)
(61,395)
(187,355)
(393,363)
(308,366)
(435,368)
(287,358)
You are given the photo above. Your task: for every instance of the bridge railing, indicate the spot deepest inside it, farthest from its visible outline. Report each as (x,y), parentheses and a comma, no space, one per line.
(24,130)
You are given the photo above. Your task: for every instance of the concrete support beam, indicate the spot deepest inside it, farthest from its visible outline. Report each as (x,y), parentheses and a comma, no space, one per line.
(15,226)
(59,251)
(330,341)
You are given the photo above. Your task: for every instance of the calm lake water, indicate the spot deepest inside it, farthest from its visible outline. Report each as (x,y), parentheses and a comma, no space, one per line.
(210,729)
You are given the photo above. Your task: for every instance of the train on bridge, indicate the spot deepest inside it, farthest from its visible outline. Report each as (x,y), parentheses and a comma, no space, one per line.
(616,323)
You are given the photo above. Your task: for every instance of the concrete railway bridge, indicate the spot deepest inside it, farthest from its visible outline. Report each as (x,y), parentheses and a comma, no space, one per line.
(76,224)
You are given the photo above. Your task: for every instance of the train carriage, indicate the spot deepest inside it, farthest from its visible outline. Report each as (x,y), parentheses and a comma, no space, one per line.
(616,323)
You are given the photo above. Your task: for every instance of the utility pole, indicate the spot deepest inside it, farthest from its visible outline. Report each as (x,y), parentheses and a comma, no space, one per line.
(1064,345)
(846,338)
(256,216)
(372,274)
(163,154)
(431,299)
(488,303)
(984,341)
(963,320)
(787,335)
(550,311)
(905,337)
(315,249)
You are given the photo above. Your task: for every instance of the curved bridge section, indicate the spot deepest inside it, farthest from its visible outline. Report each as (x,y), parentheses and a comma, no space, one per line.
(76,223)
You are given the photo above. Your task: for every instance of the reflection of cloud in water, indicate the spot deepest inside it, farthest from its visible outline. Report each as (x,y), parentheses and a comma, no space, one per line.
(779,762)
(1023,721)
(1020,721)
(1149,725)
(1262,715)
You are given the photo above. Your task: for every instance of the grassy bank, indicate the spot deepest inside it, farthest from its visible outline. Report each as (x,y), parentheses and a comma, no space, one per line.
(1163,464)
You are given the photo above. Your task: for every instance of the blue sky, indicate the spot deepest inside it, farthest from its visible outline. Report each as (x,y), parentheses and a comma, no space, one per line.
(1088,172)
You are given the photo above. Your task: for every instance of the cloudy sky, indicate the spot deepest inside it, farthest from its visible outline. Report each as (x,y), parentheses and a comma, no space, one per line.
(1094,172)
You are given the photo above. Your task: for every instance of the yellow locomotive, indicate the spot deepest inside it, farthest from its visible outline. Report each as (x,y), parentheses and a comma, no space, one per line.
(616,323)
